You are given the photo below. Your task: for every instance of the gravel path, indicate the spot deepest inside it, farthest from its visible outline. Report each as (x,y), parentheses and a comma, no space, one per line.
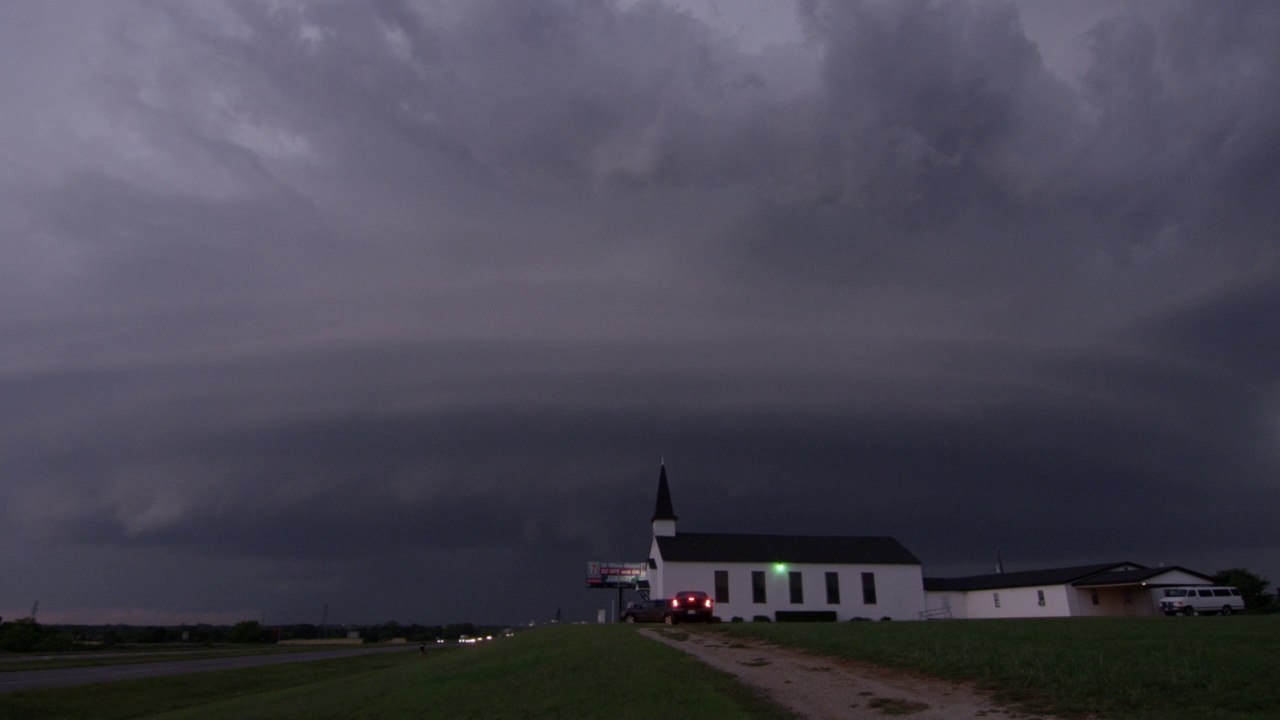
(822,688)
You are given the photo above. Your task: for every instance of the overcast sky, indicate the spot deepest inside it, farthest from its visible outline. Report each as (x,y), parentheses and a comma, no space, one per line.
(396,306)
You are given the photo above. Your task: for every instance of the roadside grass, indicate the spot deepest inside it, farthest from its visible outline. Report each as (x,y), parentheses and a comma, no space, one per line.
(1125,668)
(144,698)
(131,656)
(562,672)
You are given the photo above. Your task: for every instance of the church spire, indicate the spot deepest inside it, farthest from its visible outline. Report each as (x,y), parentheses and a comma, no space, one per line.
(664,514)
(663,509)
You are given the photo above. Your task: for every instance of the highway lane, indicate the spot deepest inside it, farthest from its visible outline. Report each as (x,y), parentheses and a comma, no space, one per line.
(67,677)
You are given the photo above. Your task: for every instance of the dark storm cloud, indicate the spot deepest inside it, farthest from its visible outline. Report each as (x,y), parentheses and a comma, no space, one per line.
(396,305)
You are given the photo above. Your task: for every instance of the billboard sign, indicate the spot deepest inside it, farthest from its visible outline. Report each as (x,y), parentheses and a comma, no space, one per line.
(616,575)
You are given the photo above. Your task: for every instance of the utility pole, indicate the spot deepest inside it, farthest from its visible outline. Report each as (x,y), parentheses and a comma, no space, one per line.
(35,607)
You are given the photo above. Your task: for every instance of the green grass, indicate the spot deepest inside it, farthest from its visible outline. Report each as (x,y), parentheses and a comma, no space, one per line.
(145,698)
(562,672)
(53,661)
(1130,668)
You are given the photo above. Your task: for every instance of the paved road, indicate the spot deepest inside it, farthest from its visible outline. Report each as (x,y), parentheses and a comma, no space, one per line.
(66,677)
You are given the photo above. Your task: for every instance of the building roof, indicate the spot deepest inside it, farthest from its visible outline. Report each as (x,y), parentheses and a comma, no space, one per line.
(726,548)
(1131,577)
(1027,578)
(663,509)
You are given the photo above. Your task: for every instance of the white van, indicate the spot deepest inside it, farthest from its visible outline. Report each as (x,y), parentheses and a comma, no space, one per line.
(1202,600)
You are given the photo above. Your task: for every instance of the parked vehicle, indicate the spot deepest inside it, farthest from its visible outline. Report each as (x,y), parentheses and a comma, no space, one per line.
(649,611)
(1202,600)
(691,606)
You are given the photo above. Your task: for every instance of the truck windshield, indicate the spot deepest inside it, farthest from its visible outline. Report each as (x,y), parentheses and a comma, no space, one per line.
(1176,592)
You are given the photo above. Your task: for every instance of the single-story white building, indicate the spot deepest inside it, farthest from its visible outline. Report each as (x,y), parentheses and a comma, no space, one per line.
(1109,589)
(761,575)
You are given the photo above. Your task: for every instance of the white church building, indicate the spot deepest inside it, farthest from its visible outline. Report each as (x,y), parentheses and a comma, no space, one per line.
(803,577)
(748,576)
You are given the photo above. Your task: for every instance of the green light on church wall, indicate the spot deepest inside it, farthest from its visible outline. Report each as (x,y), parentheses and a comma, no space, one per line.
(780,567)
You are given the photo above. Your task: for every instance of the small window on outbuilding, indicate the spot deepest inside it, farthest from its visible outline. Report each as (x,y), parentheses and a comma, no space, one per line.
(1093,595)
(833,588)
(996,598)
(1040,597)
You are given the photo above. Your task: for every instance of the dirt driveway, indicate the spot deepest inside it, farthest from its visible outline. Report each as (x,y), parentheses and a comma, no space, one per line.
(822,688)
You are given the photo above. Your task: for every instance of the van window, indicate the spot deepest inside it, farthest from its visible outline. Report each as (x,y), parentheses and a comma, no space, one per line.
(1175,592)
(1221,592)
(1205,593)
(1235,592)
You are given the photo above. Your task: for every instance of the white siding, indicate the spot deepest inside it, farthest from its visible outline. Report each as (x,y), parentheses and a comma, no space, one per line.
(899,588)
(656,589)
(953,601)
(1114,601)
(1060,600)
(1023,602)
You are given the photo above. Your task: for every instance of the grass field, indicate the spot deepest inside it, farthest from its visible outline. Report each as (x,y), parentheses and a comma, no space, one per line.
(562,672)
(1128,669)
(131,655)
(1115,668)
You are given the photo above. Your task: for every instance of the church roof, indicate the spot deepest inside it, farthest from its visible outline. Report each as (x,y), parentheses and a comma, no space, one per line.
(725,548)
(663,510)
(1027,578)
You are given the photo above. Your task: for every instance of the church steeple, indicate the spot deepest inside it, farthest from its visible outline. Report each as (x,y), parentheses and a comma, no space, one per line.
(664,513)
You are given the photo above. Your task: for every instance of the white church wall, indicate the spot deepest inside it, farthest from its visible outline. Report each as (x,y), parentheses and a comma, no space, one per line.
(899,592)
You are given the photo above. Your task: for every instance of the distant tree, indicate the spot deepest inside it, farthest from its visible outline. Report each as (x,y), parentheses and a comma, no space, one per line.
(303,631)
(112,636)
(26,635)
(1252,587)
(455,631)
(201,633)
(248,631)
(20,635)
(154,635)
(388,630)
(55,640)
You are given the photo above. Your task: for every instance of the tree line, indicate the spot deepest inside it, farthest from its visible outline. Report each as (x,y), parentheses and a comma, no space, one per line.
(27,635)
